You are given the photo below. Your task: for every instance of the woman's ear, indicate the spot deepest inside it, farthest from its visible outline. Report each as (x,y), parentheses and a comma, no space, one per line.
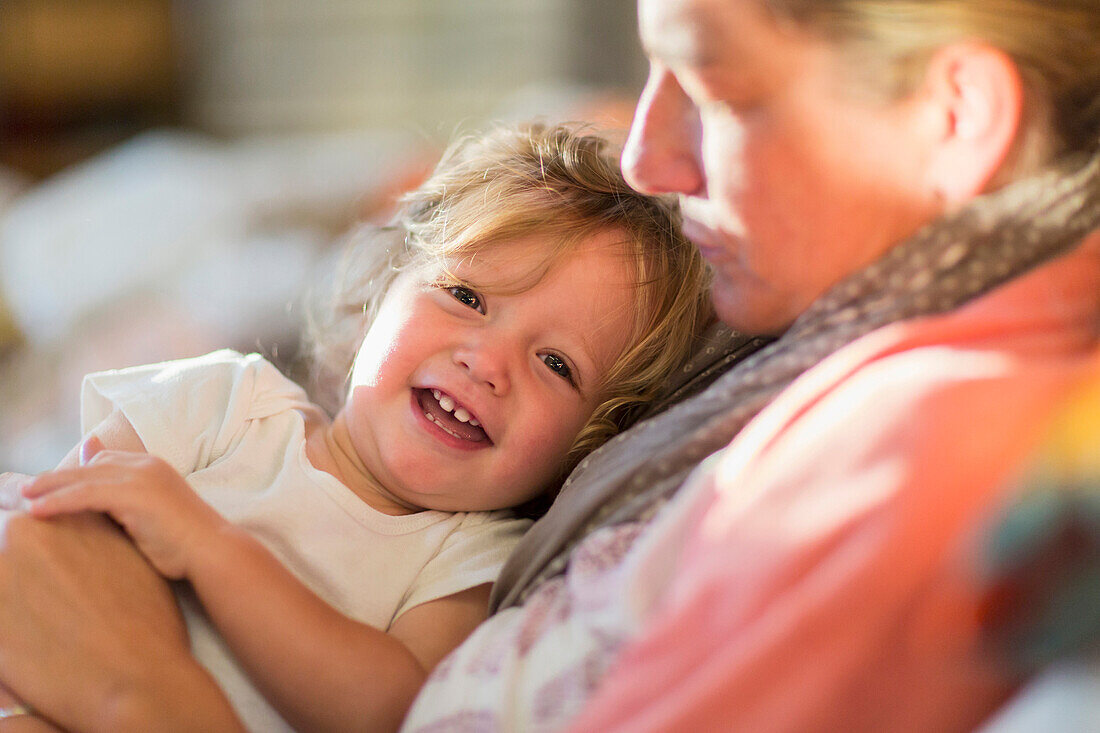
(975,94)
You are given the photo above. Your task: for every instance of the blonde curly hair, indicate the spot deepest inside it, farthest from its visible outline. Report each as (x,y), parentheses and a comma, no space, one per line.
(562,182)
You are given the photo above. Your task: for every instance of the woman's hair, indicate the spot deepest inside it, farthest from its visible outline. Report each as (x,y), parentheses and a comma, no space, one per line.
(562,183)
(1054,43)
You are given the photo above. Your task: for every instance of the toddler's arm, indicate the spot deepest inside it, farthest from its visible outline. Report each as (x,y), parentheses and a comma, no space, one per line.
(322,670)
(319,668)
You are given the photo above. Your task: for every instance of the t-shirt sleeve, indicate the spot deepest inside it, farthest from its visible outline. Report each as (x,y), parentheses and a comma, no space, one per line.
(471,555)
(188,412)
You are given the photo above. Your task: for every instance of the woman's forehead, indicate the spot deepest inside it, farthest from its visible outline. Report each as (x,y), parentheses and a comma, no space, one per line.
(733,42)
(670,31)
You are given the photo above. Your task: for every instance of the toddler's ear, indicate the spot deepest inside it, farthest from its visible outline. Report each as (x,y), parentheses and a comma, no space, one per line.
(89,448)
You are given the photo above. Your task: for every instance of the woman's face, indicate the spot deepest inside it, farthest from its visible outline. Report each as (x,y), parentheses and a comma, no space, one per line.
(788,179)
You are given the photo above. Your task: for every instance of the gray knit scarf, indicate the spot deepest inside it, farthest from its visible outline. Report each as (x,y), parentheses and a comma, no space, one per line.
(995,238)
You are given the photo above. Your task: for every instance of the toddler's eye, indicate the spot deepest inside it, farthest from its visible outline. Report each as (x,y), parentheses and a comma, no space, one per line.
(467,297)
(558,366)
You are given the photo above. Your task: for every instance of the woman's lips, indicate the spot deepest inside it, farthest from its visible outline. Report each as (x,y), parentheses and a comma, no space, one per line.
(712,245)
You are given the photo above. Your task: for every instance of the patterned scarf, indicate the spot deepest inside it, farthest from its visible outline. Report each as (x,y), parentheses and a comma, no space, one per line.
(963,255)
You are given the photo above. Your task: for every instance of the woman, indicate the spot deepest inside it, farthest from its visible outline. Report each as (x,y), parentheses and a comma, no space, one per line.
(809,576)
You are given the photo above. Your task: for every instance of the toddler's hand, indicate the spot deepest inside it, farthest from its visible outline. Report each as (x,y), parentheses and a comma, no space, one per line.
(152,502)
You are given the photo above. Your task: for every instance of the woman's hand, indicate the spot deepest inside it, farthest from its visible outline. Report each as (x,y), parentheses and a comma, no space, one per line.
(28,722)
(153,503)
(89,634)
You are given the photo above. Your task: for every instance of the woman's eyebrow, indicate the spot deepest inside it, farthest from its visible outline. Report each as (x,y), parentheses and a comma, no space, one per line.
(679,50)
(685,38)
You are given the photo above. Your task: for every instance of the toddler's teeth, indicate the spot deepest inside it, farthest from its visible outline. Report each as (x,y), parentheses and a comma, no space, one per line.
(474,422)
(436,393)
(447,403)
(461,415)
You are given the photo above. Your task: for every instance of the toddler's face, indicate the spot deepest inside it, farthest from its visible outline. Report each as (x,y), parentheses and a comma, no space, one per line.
(467,398)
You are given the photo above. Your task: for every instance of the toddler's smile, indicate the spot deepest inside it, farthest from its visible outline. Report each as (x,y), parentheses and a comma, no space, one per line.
(455,419)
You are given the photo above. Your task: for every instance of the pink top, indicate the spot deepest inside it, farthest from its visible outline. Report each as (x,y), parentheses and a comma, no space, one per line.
(822,576)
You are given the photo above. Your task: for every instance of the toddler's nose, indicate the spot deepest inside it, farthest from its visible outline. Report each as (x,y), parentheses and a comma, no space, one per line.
(489,362)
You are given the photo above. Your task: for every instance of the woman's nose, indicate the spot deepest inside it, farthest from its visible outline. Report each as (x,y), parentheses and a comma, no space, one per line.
(661,152)
(488,361)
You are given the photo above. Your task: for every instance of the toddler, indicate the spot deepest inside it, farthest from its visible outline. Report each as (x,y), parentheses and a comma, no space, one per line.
(528,307)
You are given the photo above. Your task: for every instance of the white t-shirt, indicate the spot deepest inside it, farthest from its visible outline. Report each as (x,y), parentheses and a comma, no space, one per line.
(230,424)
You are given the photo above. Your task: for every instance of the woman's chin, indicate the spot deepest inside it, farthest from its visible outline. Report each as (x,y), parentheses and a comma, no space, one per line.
(751,309)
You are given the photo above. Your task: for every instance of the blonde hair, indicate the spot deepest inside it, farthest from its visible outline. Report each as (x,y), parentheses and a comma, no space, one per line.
(562,182)
(1054,43)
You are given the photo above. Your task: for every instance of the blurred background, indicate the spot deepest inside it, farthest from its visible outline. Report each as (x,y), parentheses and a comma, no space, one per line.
(174,173)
